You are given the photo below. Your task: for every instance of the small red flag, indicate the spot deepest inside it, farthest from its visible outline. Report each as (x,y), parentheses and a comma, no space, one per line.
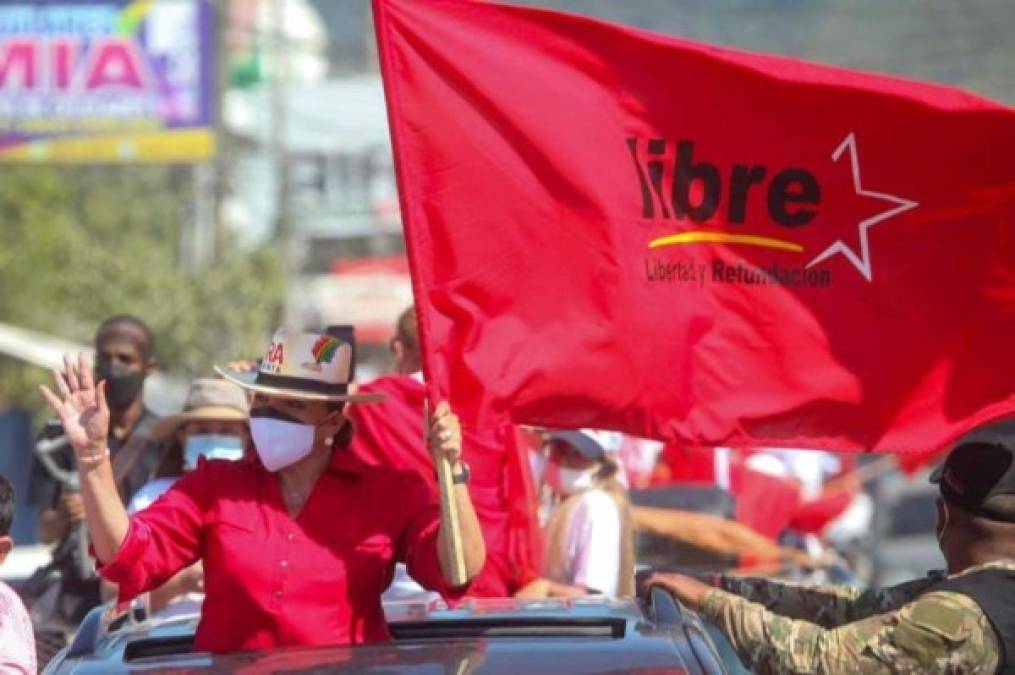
(613,229)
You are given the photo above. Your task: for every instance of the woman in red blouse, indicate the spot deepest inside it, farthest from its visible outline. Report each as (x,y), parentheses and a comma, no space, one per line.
(299,542)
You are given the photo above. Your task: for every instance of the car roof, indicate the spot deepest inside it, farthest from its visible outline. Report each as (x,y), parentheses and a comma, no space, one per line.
(489,636)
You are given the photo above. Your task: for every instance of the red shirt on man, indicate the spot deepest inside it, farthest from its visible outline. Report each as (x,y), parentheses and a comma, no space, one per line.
(272,580)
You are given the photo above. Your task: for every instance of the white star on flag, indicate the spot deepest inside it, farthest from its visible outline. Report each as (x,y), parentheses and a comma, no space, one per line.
(862,262)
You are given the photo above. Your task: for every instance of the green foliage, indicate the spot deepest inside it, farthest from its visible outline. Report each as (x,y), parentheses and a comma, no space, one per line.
(80,244)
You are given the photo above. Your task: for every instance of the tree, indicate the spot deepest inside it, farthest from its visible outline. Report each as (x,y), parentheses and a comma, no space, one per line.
(80,244)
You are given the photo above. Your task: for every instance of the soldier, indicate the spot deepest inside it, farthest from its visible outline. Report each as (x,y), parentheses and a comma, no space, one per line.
(960,623)
(124,357)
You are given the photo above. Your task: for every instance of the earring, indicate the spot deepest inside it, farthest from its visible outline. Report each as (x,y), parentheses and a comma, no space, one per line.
(329,440)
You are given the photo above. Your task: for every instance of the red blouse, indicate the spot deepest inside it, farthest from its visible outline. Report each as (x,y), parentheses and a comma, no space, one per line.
(271,580)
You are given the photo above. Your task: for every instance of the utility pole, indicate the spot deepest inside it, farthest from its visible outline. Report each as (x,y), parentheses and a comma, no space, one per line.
(279,71)
(220,164)
(283,230)
(203,242)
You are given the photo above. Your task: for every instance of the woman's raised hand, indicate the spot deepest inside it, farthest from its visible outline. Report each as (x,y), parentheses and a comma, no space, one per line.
(81,407)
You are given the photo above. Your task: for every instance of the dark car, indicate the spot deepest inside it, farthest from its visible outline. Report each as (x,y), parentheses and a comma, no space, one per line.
(507,636)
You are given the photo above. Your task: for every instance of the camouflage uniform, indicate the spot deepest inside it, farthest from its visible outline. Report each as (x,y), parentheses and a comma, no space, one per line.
(787,628)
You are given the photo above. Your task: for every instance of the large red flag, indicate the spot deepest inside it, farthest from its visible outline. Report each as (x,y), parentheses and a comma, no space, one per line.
(613,229)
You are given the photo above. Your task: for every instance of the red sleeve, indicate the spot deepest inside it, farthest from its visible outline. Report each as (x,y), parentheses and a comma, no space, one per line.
(420,539)
(162,539)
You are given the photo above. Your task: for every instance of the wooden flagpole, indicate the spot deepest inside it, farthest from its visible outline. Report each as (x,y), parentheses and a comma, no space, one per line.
(451,539)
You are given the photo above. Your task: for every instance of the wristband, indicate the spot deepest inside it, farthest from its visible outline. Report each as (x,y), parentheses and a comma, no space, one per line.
(463,476)
(93,459)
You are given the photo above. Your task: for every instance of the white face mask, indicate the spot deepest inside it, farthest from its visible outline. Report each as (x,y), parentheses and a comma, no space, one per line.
(280,444)
(566,481)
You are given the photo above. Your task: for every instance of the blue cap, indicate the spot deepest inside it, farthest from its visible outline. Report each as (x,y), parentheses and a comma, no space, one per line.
(587,447)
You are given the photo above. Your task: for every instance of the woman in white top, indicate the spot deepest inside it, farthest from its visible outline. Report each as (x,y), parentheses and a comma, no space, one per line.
(589,534)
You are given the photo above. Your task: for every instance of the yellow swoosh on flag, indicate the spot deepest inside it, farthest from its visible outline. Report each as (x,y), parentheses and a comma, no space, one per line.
(725,238)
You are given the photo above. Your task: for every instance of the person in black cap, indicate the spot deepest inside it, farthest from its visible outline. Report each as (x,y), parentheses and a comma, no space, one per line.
(958,621)
(299,540)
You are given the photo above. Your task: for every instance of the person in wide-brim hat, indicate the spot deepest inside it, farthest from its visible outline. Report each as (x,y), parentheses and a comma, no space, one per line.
(308,366)
(299,542)
(212,424)
(208,400)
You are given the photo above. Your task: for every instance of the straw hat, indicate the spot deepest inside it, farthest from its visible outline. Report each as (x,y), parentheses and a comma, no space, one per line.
(209,398)
(309,366)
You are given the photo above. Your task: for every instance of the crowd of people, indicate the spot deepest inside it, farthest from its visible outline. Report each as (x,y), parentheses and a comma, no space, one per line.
(287,500)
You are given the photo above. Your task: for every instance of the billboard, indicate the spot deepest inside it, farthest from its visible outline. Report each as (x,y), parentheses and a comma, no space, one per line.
(113,81)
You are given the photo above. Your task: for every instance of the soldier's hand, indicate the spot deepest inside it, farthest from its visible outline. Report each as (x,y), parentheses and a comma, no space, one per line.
(53,525)
(73,506)
(689,591)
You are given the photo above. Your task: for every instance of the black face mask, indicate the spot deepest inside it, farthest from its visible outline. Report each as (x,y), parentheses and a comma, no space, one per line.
(275,414)
(123,386)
